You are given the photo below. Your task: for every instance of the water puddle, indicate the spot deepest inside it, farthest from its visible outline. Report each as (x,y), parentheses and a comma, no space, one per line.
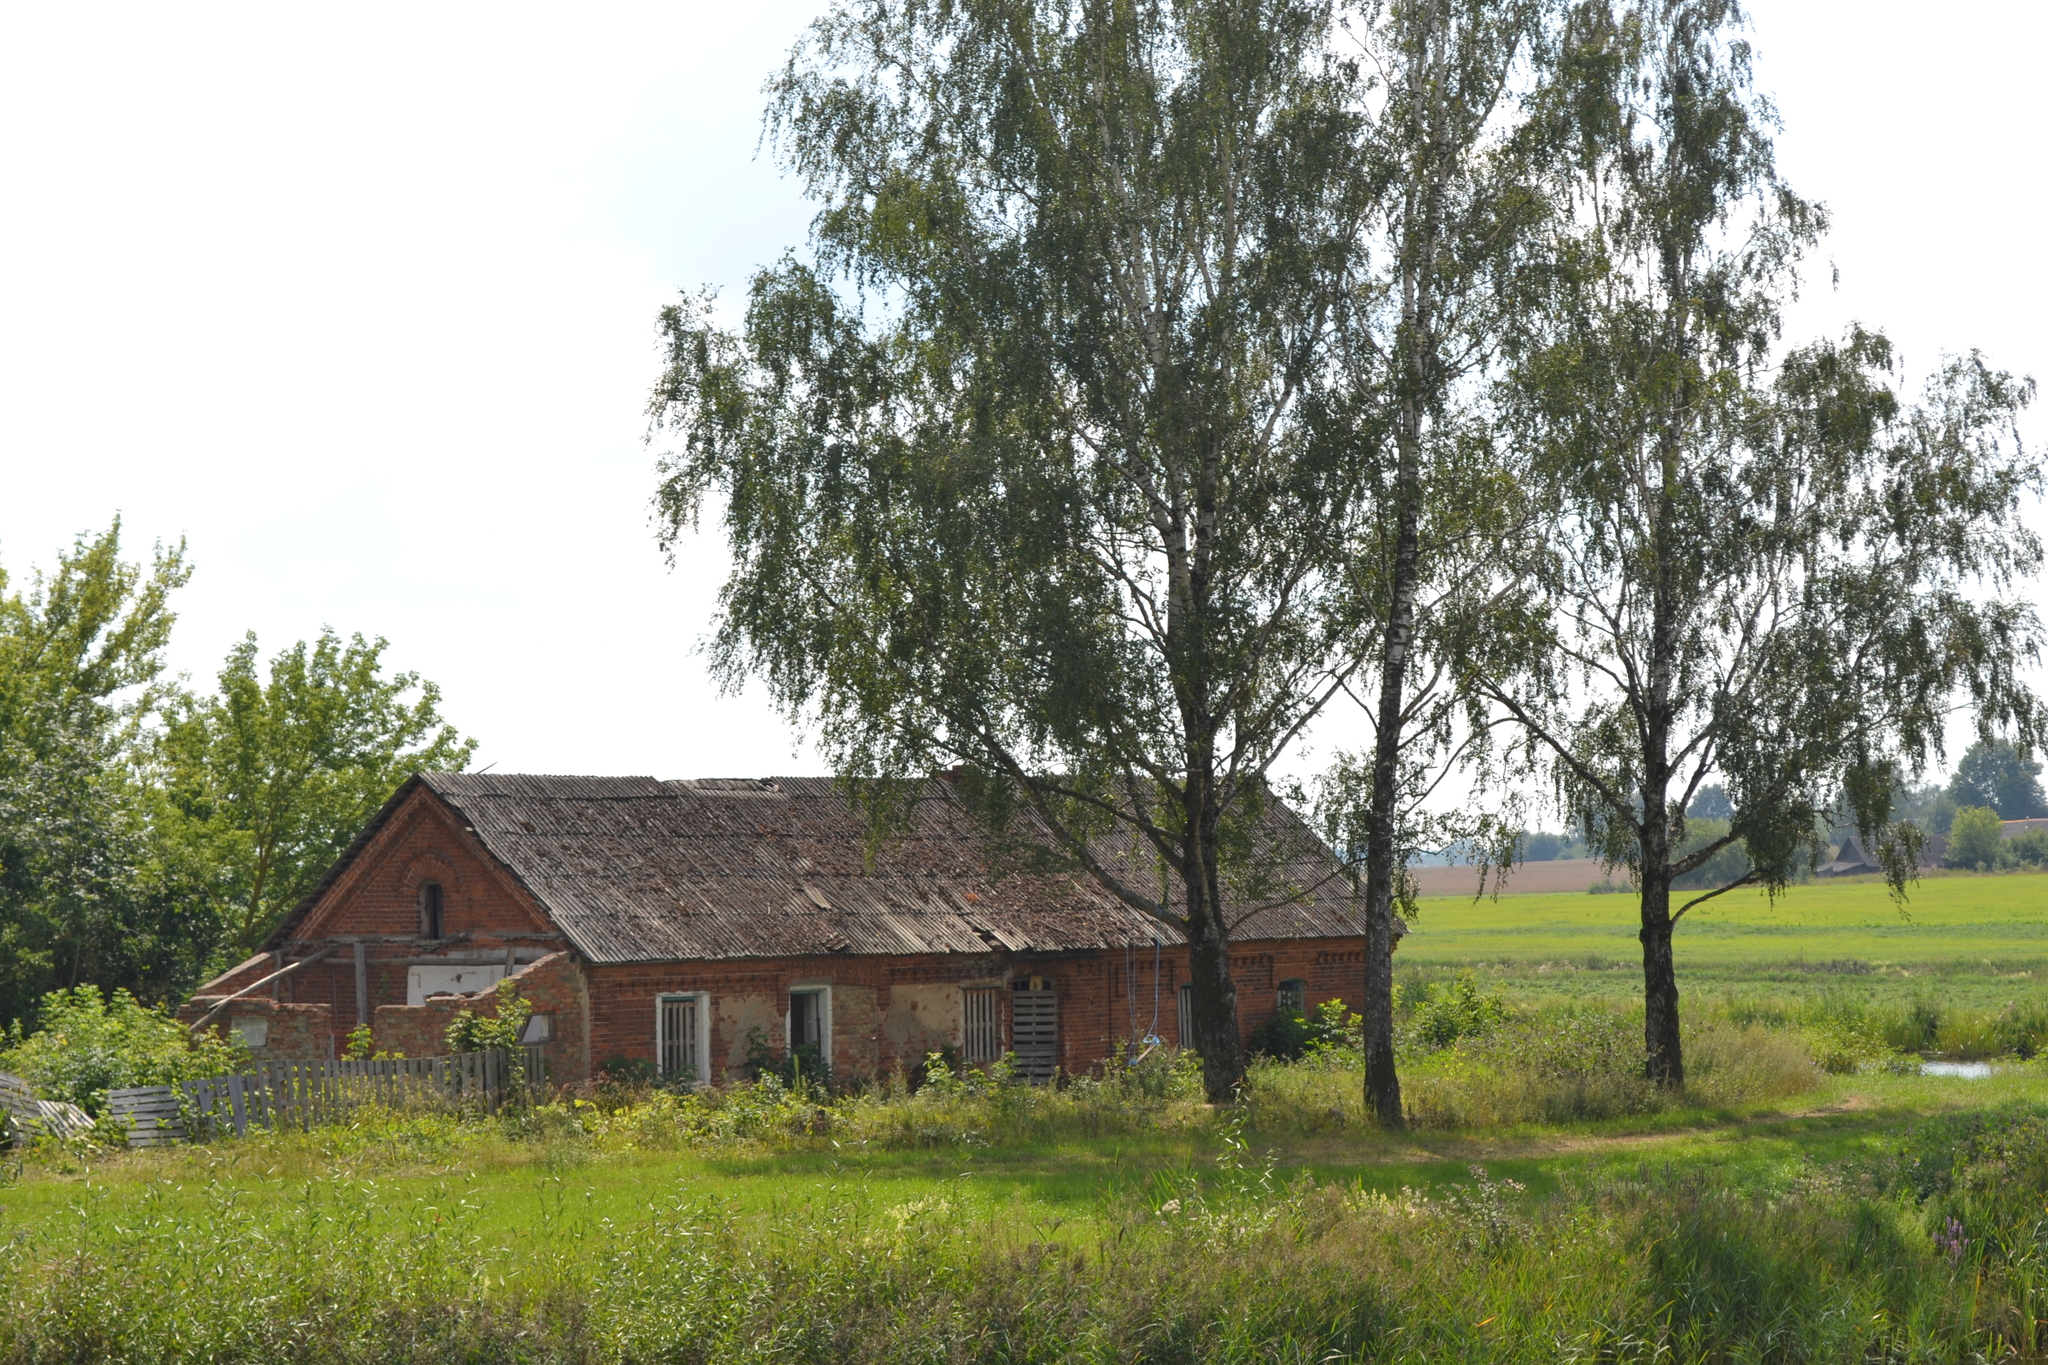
(1969,1071)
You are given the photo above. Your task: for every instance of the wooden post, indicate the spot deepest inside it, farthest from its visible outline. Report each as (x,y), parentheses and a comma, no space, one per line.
(362,984)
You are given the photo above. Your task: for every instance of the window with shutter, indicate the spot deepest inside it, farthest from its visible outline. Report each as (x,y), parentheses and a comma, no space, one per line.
(1035,1029)
(981,1034)
(679,1038)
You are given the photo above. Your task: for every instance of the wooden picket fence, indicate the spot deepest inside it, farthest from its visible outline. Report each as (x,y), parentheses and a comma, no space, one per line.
(27,1115)
(301,1094)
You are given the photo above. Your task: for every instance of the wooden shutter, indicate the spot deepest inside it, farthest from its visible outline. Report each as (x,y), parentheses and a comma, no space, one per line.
(1035,1032)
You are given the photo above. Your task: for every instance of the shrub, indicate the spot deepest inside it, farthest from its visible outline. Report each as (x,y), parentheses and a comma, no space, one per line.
(1289,1036)
(1976,838)
(2031,848)
(89,1044)
(469,1031)
(1455,1009)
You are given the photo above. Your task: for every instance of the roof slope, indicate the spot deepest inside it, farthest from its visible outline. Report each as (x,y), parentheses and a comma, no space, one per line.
(638,870)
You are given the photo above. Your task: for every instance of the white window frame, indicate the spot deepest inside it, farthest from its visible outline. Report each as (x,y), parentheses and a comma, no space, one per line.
(823,990)
(995,1000)
(701,1064)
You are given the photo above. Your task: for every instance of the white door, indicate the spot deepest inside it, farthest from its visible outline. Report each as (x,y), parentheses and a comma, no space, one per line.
(421,982)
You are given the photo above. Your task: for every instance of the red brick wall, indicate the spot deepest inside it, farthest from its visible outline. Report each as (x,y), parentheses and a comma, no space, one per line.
(298,1032)
(874,1029)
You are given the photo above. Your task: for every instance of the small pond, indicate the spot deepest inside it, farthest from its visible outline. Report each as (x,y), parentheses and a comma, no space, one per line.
(1969,1071)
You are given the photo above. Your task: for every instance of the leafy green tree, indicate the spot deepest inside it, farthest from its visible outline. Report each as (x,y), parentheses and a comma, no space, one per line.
(86,893)
(267,782)
(1992,773)
(1976,838)
(1017,474)
(1755,558)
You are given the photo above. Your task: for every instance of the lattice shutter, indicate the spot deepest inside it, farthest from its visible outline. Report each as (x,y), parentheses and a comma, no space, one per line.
(1035,1032)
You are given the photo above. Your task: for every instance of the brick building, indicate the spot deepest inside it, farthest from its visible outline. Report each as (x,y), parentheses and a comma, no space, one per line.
(678,923)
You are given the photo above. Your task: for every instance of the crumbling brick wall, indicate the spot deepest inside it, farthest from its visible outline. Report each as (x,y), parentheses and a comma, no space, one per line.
(299,1032)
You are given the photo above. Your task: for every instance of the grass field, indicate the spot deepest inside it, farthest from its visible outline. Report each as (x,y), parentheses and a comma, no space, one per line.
(1554,1207)
(1980,941)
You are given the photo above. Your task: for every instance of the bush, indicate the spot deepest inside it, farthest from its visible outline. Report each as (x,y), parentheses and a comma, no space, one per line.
(1976,838)
(1288,1036)
(89,1044)
(1455,1009)
(2031,848)
(469,1031)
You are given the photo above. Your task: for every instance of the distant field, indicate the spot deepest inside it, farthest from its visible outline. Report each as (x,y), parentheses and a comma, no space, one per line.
(1986,938)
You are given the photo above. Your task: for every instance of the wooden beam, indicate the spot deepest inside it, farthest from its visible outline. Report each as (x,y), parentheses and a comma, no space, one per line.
(227,1000)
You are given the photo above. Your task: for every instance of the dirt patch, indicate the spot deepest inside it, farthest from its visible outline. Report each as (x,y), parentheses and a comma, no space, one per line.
(1562,874)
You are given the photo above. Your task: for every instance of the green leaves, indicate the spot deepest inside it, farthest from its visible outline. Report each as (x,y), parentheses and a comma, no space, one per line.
(268,780)
(86,891)
(1015,470)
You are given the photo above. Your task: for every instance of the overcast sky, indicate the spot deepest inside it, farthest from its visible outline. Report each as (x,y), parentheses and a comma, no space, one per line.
(359,301)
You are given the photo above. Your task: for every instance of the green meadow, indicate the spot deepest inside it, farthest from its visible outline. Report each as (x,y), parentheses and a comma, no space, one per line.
(1976,941)
(1812,1195)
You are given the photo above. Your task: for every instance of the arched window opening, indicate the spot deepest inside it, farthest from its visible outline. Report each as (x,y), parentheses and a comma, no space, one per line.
(430,909)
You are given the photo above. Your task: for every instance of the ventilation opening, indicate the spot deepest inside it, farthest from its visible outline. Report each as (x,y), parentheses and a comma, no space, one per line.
(430,909)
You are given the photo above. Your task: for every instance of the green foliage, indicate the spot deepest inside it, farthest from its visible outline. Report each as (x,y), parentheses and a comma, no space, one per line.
(1046,517)
(268,780)
(469,1031)
(88,892)
(1727,864)
(86,1044)
(1447,1011)
(1751,554)
(1976,838)
(1993,774)
(800,1068)
(1288,1036)
(2031,848)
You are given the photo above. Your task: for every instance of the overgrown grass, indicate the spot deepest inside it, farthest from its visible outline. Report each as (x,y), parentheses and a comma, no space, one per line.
(1927,1249)
(1115,1217)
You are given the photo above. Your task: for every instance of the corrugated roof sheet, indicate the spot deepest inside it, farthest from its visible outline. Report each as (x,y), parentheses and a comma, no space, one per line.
(638,870)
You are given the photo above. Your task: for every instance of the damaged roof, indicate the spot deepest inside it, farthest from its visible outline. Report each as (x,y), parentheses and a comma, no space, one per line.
(633,869)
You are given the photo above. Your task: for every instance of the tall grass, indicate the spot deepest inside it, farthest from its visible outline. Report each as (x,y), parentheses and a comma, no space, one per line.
(1848,1032)
(1930,1251)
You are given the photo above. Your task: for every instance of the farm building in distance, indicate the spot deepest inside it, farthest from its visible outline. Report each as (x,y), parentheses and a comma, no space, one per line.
(684,925)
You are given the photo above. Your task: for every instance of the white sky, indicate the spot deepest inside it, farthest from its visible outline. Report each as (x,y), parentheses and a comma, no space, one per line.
(360,302)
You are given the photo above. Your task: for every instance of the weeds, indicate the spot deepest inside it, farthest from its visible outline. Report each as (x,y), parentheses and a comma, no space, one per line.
(1927,1252)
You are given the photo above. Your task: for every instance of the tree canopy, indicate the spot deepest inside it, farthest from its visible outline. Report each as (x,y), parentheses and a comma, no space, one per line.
(145,832)
(1016,470)
(268,780)
(1761,566)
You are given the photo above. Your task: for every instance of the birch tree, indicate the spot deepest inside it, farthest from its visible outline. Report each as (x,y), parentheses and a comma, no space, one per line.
(1014,468)
(1765,569)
